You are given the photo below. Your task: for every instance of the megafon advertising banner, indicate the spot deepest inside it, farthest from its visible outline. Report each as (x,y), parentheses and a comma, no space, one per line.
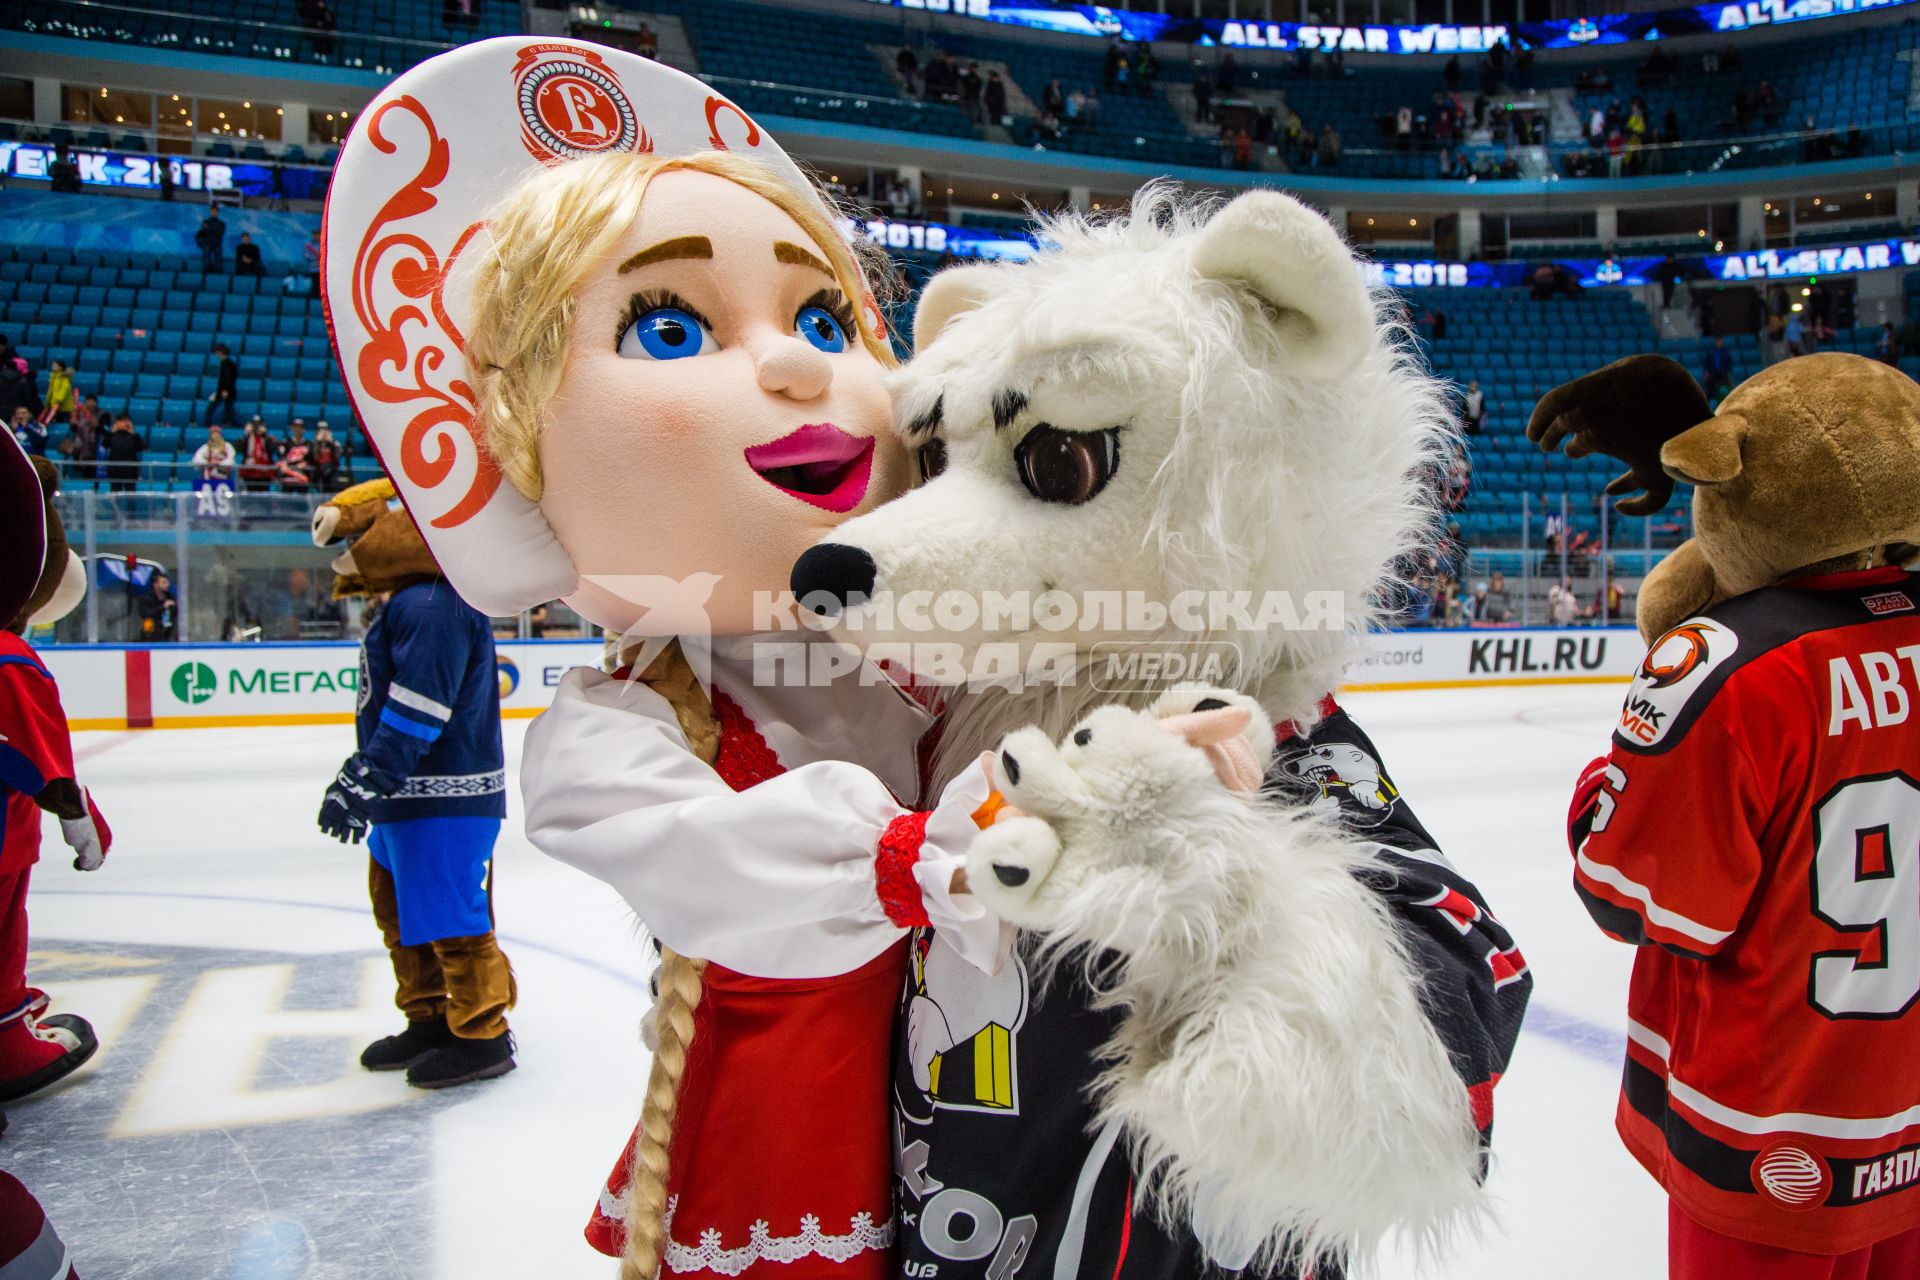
(243,685)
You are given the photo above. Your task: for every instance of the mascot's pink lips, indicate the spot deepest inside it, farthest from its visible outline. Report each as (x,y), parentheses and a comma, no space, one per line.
(818,464)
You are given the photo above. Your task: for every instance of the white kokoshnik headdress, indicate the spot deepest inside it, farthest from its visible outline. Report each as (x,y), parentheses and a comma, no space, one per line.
(427,160)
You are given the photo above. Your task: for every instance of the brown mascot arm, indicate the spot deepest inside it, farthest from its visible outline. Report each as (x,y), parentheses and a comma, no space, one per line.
(1627,410)
(1679,587)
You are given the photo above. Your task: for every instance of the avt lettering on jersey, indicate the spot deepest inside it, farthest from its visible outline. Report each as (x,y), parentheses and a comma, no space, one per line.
(1873,694)
(1888,1174)
(1516,656)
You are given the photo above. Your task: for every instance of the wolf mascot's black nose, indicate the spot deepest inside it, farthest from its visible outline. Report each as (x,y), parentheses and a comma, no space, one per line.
(832,576)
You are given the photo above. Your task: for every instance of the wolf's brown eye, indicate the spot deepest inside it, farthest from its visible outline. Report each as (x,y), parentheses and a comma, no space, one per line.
(1067,467)
(932,458)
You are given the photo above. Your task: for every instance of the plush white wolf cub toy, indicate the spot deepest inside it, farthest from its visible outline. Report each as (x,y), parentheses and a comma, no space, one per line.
(1248,953)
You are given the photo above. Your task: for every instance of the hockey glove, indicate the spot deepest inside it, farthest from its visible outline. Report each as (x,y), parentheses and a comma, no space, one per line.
(347,811)
(88,835)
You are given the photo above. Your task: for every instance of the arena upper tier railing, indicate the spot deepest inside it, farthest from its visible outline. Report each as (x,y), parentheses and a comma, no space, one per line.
(1362,154)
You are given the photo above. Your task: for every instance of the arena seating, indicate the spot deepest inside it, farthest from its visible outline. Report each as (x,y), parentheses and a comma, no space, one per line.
(139,329)
(375,35)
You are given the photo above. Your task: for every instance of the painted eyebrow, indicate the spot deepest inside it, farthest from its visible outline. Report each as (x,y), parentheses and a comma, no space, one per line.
(794,255)
(667,251)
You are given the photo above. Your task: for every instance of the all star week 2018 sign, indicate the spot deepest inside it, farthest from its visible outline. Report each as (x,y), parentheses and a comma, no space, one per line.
(1424,38)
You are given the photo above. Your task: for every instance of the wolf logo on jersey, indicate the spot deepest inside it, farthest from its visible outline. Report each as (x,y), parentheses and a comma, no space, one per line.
(1343,779)
(963,1029)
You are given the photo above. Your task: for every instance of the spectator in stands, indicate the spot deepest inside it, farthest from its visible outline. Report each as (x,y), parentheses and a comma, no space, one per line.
(647,43)
(16,382)
(246,256)
(226,386)
(1795,335)
(906,65)
(317,16)
(1228,79)
(1886,348)
(971,87)
(1327,154)
(29,431)
(1145,68)
(1497,608)
(1053,100)
(1608,600)
(1770,104)
(324,459)
(63,175)
(123,448)
(942,78)
(259,457)
(1474,608)
(1562,606)
(296,459)
(1090,109)
(1451,74)
(214,457)
(1242,149)
(1718,369)
(158,610)
(82,445)
(1203,94)
(994,96)
(57,403)
(211,239)
(1473,409)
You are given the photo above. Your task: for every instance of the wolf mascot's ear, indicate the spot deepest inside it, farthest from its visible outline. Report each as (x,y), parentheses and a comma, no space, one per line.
(1301,272)
(950,294)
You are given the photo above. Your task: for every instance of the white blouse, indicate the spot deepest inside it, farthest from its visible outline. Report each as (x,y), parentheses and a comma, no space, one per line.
(778,880)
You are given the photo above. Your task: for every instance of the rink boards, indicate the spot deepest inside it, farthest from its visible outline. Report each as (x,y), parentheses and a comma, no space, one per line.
(230,685)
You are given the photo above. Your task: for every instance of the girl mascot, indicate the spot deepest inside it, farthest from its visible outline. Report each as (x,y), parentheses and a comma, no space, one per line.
(615,350)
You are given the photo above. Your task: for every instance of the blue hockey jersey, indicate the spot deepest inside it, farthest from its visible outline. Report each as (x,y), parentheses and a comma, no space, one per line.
(429,710)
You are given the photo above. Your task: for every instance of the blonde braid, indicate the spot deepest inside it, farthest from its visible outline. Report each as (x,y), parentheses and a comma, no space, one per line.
(680,992)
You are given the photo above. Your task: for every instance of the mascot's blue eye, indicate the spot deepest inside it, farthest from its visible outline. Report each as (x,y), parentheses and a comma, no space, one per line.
(665,333)
(818,326)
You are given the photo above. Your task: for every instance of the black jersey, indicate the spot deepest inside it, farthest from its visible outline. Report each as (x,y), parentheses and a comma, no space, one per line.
(1000,1170)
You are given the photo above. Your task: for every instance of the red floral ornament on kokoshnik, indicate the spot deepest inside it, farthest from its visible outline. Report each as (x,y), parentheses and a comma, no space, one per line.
(426,161)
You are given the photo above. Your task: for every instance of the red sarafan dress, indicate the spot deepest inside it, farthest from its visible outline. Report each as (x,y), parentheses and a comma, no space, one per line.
(790,866)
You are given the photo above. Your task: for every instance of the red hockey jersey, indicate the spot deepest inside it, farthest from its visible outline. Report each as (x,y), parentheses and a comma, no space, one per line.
(1756,831)
(35,748)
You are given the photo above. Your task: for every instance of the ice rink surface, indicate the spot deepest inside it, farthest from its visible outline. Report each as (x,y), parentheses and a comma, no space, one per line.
(228,959)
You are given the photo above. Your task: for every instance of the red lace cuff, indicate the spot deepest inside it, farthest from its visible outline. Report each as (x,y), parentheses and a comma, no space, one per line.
(893,870)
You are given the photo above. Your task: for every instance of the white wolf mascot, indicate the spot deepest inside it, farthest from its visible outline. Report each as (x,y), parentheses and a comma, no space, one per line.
(1189,432)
